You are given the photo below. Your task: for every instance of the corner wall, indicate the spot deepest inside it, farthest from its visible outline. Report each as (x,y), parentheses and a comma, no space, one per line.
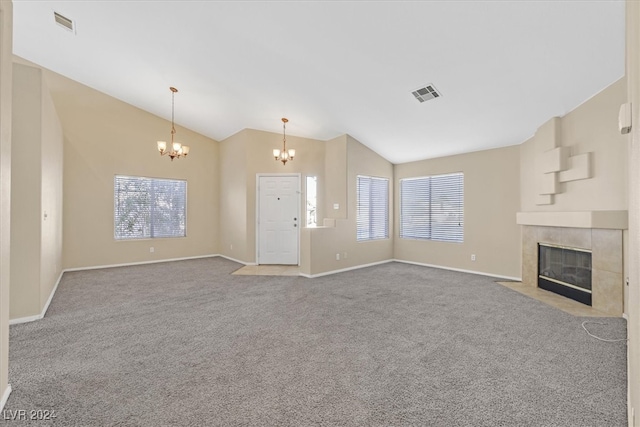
(242,157)
(104,137)
(36,228)
(491,201)
(6,33)
(633,323)
(325,243)
(591,128)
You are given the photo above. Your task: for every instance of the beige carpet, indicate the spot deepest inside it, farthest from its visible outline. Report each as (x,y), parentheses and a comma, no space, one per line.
(188,343)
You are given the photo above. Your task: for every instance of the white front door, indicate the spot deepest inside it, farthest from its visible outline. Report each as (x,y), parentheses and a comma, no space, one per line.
(278,219)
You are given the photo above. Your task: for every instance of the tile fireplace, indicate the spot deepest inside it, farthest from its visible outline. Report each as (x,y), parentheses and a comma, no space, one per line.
(555,237)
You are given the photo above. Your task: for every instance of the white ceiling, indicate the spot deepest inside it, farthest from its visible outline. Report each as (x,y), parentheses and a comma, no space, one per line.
(503,67)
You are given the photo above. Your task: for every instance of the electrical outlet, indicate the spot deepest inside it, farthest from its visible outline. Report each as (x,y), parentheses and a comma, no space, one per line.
(336,206)
(338,257)
(152,249)
(473,257)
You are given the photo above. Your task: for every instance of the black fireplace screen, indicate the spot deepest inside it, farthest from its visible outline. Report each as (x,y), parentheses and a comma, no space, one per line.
(566,265)
(565,271)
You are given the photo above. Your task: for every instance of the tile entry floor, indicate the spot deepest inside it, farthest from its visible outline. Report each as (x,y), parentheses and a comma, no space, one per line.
(554,300)
(268,270)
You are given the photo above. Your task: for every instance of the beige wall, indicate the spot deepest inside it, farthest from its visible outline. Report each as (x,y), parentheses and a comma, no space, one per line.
(325,243)
(242,157)
(233,197)
(335,163)
(335,184)
(491,200)
(51,197)
(591,127)
(37,148)
(6,29)
(36,241)
(26,179)
(633,324)
(105,137)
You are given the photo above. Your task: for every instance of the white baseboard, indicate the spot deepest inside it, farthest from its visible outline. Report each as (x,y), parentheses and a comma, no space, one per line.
(342,270)
(127,264)
(5,396)
(515,279)
(236,260)
(44,309)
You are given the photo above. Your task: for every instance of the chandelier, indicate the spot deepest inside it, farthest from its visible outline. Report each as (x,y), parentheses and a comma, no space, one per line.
(176,149)
(285,155)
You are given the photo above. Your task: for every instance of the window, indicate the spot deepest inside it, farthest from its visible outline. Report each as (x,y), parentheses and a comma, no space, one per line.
(432,208)
(373,208)
(312,201)
(147,208)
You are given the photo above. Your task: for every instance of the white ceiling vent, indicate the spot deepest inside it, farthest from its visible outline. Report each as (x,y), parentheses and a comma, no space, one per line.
(426,93)
(63,21)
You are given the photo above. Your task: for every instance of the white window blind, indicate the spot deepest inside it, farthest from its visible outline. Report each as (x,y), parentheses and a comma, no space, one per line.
(373,208)
(147,208)
(432,208)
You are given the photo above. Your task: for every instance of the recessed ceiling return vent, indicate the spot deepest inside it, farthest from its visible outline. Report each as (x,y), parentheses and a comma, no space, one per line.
(64,21)
(426,93)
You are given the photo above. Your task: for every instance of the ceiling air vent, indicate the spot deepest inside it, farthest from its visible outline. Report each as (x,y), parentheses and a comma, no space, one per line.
(64,21)
(426,93)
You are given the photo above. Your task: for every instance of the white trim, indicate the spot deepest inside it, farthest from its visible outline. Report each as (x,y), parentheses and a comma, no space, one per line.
(342,270)
(5,396)
(236,260)
(481,273)
(625,316)
(257,223)
(155,261)
(44,309)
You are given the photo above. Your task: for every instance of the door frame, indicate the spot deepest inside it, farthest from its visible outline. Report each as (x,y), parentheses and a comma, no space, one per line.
(257,223)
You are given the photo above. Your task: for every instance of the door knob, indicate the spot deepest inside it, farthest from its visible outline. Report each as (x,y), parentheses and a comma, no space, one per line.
(295,225)
(295,219)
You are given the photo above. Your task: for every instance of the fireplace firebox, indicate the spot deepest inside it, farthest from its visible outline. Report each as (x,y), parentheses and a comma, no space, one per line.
(565,271)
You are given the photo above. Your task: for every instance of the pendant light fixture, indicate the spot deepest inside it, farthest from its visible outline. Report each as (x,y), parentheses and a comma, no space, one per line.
(285,155)
(176,149)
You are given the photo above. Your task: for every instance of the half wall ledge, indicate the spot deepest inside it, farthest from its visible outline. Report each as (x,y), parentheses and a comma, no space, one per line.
(617,220)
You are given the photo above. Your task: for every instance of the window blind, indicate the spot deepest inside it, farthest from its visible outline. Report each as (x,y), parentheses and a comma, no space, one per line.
(373,208)
(147,208)
(432,208)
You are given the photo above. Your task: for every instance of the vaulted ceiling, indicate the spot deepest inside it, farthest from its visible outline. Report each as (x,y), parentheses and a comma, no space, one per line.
(335,67)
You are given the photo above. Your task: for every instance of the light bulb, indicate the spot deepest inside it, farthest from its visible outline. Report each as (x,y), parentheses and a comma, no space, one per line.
(162,146)
(177,146)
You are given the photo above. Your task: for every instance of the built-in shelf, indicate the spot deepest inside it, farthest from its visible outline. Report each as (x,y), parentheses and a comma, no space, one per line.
(618,220)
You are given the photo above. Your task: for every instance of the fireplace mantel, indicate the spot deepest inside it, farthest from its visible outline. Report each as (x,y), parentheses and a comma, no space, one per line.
(617,220)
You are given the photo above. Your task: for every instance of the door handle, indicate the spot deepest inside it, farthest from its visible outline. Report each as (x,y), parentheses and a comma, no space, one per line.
(295,219)
(295,225)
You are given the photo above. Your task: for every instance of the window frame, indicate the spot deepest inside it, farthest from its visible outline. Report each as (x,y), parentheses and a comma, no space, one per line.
(152,180)
(371,233)
(428,219)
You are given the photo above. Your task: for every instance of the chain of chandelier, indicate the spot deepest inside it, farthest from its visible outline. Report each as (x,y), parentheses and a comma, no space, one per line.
(175,150)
